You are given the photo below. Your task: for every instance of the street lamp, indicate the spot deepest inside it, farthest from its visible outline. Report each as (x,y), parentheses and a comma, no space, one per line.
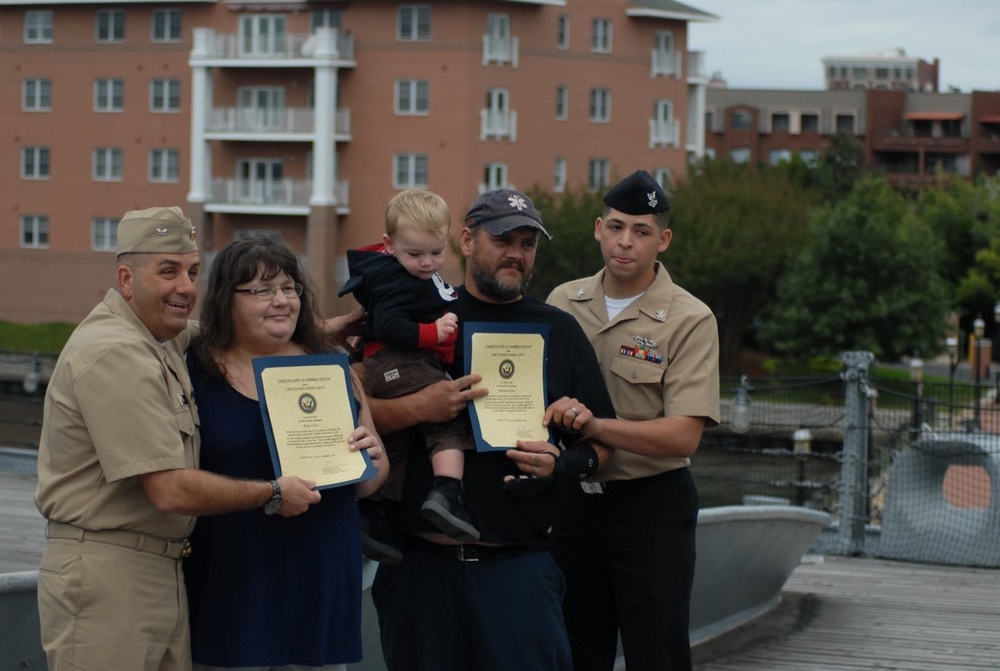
(951,343)
(741,408)
(32,377)
(917,375)
(802,448)
(979,329)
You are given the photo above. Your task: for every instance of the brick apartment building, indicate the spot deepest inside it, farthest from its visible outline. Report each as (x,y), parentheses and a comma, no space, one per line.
(910,136)
(302,119)
(889,70)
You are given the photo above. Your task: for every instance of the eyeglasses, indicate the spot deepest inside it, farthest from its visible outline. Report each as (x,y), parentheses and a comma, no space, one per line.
(267,293)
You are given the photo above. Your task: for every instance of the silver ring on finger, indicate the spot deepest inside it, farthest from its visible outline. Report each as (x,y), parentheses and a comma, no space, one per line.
(574,411)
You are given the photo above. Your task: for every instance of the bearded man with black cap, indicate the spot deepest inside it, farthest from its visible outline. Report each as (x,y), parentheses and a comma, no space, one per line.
(117,465)
(625,539)
(495,603)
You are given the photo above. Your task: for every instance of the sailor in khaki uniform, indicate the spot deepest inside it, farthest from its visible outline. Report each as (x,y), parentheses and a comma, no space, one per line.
(117,465)
(626,539)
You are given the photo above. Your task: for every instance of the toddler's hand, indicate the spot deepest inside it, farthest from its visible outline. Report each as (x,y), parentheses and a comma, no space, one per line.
(446,325)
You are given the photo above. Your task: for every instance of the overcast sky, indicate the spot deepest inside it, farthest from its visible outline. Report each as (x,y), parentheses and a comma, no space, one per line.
(780,43)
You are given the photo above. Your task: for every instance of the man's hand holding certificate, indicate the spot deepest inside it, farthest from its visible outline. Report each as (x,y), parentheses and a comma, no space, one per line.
(511,360)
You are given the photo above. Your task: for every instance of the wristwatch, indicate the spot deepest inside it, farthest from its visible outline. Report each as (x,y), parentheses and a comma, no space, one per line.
(273,504)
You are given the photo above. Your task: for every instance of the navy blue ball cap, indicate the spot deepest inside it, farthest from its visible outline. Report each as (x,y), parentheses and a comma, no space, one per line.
(637,194)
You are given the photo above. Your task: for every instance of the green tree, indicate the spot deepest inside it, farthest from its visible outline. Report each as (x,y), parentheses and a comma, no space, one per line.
(572,253)
(735,226)
(965,216)
(839,167)
(867,280)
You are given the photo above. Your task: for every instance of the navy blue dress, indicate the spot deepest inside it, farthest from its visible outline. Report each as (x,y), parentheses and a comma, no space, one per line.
(268,590)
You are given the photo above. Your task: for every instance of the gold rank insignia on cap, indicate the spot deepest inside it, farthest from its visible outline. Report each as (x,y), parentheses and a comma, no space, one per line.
(156,230)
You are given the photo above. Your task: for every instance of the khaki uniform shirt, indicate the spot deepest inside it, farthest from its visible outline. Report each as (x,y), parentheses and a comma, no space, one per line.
(119,404)
(659,358)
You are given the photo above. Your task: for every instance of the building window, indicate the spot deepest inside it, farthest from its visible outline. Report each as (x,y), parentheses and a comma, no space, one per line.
(165,95)
(495,176)
(859,73)
(845,123)
(665,178)
(810,123)
(409,170)
(35,163)
(600,39)
(166,25)
(710,121)
(38,27)
(780,122)
(104,234)
(111,25)
(780,156)
(164,165)
(324,18)
(413,23)
(37,95)
(600,105)
(413,96)
(740,155)
(107,165)
(559,176)
(562,32)
(109,95)
(598,174)
(562,103)
(35,231)
(262,35)
(740,120)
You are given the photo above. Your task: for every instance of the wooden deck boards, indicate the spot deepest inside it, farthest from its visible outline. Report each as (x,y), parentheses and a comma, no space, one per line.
(837,614)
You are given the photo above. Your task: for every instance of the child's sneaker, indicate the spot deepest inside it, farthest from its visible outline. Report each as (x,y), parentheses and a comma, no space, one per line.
(445,509)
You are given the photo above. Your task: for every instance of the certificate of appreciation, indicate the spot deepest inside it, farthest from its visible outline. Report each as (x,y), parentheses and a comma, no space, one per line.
(511,360)
(309,411)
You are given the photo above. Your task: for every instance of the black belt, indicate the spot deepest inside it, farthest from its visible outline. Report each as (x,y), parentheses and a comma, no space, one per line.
(126,539)
(610,486)
(466,551)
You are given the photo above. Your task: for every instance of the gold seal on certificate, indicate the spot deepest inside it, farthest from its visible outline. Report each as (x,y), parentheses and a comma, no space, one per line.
(511,360)
(309,413)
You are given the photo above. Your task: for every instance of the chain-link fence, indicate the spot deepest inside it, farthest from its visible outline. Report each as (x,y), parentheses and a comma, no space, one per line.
(909,470)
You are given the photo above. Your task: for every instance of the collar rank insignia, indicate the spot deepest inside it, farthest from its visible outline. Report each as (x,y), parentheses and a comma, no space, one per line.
(580,293)
(661,314)
(161,231)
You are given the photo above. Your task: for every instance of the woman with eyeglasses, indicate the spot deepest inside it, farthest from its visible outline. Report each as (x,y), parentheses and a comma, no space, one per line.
(264,591)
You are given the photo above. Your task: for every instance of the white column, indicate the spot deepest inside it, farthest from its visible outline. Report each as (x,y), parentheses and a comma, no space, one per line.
(201,102)
(324,149)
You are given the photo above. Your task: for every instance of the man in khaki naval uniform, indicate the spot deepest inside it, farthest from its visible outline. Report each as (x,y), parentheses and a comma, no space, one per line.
(117,465)
(626,540)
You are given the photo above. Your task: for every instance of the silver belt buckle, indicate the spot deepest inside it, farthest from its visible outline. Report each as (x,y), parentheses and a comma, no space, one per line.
(592,487)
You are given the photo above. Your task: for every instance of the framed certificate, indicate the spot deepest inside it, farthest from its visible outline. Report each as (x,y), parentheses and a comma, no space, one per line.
(309,411)
(511,360)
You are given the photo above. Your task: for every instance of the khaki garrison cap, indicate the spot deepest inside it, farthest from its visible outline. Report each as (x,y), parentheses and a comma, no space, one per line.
(157,230)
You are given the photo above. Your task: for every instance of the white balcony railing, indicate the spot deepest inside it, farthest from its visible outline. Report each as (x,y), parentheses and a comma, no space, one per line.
(285,192)
(500,50)
(664,133)
(497,125)
(696,66)
(666,63)
(279,120)
(285,46)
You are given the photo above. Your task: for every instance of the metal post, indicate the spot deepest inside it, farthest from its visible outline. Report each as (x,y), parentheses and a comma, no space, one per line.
(854,471)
